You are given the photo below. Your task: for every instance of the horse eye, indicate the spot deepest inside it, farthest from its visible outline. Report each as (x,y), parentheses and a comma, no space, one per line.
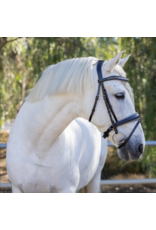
(120,95)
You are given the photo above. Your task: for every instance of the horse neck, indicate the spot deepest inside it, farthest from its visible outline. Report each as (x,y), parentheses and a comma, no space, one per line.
(50,117)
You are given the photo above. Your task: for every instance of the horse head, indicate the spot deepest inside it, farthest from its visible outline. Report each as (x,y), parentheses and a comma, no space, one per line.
(113,111)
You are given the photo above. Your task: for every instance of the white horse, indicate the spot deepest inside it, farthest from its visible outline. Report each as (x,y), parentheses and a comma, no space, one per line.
(49,151)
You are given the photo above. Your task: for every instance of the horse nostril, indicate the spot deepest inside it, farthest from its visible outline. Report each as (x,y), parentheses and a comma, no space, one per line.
(140,148)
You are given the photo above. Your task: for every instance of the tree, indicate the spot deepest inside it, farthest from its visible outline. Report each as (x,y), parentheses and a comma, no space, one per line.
(22,61)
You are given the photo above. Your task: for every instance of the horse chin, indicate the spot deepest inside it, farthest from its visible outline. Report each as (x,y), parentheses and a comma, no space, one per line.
(124,155)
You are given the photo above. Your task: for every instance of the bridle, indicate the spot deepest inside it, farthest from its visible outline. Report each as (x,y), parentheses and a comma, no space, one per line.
(115,122)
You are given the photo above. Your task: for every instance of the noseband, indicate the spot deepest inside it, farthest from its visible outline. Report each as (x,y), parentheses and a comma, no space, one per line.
(113,118)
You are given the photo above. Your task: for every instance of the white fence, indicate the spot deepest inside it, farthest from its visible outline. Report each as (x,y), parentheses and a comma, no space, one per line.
(148,143)
(103,182)
(3,146)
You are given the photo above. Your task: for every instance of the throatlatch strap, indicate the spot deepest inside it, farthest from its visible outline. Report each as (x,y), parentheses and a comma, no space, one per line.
(94,106)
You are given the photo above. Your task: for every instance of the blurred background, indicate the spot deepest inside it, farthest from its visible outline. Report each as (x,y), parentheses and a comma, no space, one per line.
(22,61)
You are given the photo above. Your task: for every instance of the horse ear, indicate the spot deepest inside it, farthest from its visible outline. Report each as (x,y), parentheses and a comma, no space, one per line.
(109,66)
(124,60)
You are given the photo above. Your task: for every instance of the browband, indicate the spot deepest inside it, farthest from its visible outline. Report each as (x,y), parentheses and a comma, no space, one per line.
(118,78)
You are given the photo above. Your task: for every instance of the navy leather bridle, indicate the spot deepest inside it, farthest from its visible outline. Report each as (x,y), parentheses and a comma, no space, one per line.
(115,122)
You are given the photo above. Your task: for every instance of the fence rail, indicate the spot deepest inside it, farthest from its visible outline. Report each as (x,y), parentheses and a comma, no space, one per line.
(147,143)
(129,181)
(3,146)
(103,182)
(5,185)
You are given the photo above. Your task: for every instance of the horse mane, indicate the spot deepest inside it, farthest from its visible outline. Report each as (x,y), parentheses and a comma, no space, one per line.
(70,76)
(122,73)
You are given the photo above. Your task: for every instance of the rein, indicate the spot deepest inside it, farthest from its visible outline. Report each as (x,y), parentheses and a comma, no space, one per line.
(113,118)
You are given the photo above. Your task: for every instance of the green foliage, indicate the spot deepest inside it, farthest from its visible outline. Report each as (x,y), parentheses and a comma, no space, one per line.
(22,61)
(141,71)
(148,163)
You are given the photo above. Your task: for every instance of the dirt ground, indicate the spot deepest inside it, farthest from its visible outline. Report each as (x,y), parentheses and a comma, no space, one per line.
(105,175)
(3,172)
